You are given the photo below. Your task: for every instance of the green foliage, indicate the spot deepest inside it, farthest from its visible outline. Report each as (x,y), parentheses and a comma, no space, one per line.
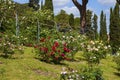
(51,50)
(63,19)
(94,51)
(77,22)
(85,73)
(89,19)
(89,29)
(103,27)
(6,15)
(49,6)
(91,73)
(9,44)
(95,26)
(71,20)
(115,28)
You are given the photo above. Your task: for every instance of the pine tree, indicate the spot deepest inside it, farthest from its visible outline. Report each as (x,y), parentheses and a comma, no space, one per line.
(95,26)
(103,30)
(71,20)
(115,28)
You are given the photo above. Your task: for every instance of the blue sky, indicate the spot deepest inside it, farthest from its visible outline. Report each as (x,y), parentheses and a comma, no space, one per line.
(95,5)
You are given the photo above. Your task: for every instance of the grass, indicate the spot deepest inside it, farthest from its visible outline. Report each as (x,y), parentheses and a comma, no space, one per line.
(26,67)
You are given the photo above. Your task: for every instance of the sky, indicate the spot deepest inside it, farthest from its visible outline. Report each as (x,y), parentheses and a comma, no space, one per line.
(95,5)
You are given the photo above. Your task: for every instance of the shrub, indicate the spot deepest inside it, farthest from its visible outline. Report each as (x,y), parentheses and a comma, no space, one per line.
(94,51)
(86,73)
(8,45)
(50,50)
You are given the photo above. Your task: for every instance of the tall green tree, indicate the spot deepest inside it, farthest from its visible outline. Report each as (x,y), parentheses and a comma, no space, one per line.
(34,4)
(48,4)
(103,27)
(63,19)
(89,29)
(95,26)
(71,20)
(115,28)
(88,19)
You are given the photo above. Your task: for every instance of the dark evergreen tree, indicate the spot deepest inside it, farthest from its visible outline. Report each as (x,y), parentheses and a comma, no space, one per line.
(71,20)
(89,30)
(34,4)
(88,18)
(115,28)
(95,26)
(103,30)
(48,5)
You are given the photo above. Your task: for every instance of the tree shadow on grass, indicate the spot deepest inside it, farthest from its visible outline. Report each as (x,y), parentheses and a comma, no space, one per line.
(51,62)
(10,57)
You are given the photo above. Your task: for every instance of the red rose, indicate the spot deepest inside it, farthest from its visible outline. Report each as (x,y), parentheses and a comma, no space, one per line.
(56,44)
(42,40)
(65,44)
(52,53)
(62,54)
(44,49)
(66,49)
(54,48)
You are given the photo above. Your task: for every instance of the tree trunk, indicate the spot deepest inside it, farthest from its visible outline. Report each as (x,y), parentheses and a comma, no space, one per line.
(82,10)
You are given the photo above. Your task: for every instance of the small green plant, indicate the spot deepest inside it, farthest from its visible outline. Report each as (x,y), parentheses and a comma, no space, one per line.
(86,73)
(91,73)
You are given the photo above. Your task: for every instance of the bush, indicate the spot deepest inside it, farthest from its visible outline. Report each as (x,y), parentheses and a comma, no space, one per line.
(86,73)
(8,45)
(50,50)
(94,51)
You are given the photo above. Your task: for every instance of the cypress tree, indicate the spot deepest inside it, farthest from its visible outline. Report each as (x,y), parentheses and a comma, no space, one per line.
(48,5)
(103,30)
(89,30)
(71,20)
(115,28)
(89,18)
(95,26)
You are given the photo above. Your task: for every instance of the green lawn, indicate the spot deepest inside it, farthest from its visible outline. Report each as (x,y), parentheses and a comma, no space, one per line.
(26,67)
